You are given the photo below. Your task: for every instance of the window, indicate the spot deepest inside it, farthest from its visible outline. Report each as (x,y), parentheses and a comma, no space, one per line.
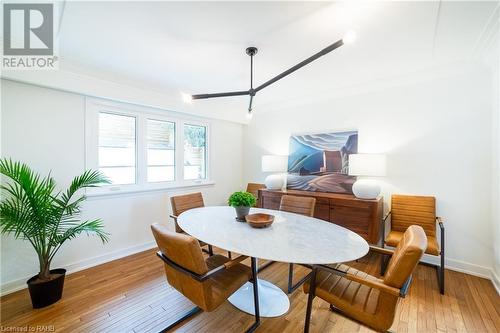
(194,151)
(161,150)
(117,152)
(138,148)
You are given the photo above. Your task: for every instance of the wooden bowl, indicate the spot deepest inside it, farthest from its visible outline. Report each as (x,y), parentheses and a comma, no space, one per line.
(259,220)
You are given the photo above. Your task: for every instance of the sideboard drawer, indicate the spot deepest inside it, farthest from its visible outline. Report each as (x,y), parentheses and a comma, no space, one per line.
(270,202)
(361,216)
(353,219)
(322,211)
(351,212)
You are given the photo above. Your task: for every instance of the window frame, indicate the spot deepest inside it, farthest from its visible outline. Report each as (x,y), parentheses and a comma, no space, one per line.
(94,106)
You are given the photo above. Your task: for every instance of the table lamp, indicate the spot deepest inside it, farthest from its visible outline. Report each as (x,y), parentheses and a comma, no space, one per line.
(274,163)
(372,165)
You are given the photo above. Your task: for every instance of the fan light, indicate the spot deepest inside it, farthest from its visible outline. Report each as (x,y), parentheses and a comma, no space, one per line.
(349,37)
(249,115)
(187,98)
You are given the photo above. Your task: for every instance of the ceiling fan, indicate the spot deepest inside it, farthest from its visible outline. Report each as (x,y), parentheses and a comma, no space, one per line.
(252,51)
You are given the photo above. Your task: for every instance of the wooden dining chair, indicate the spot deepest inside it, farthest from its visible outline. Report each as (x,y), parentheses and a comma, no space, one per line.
(205,282)
(409,210)
(254,189)
(182,203)
(298,205)
(362,297)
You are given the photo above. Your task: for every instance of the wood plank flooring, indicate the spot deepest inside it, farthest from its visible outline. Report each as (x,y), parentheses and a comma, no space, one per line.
(132,295)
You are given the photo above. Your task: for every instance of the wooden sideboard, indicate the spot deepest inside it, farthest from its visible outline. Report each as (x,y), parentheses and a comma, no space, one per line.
(361,216)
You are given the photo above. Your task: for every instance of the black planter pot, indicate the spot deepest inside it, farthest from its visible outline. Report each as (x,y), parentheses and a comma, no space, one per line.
(46,293)
(241,212)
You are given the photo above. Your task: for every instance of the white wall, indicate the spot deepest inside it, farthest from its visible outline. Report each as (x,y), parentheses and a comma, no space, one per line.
(45,128)
(492,59)
(436,130)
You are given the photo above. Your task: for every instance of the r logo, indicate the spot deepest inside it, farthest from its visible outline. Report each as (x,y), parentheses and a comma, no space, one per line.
(28,29)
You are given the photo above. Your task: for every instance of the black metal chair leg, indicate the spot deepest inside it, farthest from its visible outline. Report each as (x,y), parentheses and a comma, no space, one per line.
(441,271)
(229,254)
(441,275)
(183,317)
(255,296)
(383,265)
(292,287)
(312,290)
(263,267)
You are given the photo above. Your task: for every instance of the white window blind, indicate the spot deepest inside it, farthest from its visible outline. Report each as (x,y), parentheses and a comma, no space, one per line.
(117,147)
(160,150)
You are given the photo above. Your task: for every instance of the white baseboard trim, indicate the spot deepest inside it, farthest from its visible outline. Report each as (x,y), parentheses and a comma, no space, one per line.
(460,266)
(495,279)
(15,285)
(452,264)
(465,267)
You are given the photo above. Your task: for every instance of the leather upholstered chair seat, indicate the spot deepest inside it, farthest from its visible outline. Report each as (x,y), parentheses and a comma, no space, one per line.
(185,251)
(205,282)
(365,298)
(182,203)
(394,237)
(298,205)
(407,210)
(254,188)
(359,301)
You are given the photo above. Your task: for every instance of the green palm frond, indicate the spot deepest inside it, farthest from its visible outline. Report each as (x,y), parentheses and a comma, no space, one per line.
(32,209)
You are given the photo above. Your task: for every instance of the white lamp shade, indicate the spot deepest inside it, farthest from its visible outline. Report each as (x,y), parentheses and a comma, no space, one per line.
(367,165)
(274,163)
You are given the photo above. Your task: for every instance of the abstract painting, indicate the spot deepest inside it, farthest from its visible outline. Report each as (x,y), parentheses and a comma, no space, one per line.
(320,162)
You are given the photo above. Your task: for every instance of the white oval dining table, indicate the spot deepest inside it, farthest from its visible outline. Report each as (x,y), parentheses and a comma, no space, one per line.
(292,238)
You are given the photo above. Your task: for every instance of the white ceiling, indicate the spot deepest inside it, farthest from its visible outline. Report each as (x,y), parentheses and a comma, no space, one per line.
(200,47)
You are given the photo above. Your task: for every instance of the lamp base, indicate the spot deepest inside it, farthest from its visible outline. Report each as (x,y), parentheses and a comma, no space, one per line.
(366,189)
(274,182)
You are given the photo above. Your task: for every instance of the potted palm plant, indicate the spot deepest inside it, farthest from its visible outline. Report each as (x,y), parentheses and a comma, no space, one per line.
(33,210)
(241,201)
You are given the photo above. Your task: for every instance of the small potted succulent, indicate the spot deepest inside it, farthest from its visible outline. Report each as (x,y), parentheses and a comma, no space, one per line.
(241,201)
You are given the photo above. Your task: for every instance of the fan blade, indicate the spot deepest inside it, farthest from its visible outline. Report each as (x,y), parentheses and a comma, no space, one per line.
(226,94)
(301,64)
(250,105)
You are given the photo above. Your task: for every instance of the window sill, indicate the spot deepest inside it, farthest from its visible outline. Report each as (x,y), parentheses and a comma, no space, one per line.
(119,190)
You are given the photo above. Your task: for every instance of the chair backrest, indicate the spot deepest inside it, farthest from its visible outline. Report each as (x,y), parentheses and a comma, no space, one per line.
(406,256)
(254,189)
(298,205)
(181,203)
(407,210)
(185,251)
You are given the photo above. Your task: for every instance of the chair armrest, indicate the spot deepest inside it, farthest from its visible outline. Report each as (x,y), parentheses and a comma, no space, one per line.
(380,250)
(384,219)
(370,283)
(382,223)
(439,220)
(196,276)
(234,262)
(374,284)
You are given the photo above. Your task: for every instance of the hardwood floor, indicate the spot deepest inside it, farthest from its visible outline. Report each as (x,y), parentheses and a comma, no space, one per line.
(132,295)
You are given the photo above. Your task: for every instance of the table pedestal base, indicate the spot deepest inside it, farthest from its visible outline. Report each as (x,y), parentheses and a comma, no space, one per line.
(273,302)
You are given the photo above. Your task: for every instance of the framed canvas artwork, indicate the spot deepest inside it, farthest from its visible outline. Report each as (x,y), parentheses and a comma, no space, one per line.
(320,162)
